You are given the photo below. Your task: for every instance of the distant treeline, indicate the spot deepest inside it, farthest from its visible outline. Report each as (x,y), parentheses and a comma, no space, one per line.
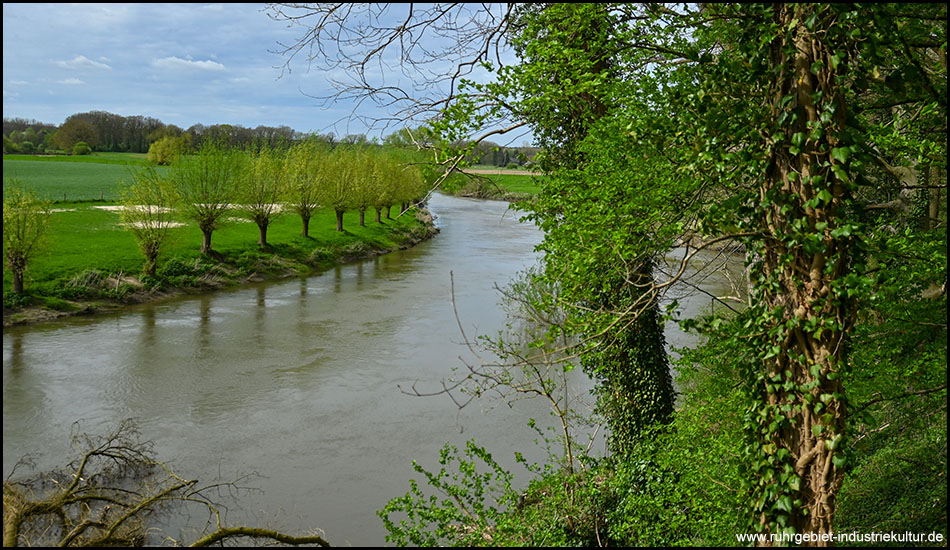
(107,132)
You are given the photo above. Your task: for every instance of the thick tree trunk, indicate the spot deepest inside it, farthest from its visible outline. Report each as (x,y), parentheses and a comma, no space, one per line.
(362,217)
(635,386)
(339,220)
(17,281)
(206,240)
(151,265)
(306,226)
(262,234)
(803,406)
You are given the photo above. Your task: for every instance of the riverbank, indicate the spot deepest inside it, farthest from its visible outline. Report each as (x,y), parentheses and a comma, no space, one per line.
(92,291)
(500,184)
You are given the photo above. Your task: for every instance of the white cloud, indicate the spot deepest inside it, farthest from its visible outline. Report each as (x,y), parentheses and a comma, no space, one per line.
(81,62)
(177,63)
(70,81)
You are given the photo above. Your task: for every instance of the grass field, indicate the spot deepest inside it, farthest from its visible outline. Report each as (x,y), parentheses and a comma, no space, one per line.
(516,183)
(493,184)
(61,179)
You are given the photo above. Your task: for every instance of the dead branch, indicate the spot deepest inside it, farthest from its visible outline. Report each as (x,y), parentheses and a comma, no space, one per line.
(106,495)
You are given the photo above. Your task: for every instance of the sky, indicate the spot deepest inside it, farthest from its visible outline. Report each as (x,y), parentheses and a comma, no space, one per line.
(182,64)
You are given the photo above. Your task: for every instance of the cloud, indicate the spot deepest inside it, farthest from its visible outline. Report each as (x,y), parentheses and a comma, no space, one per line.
(177,63)
(81,62)
(70,81)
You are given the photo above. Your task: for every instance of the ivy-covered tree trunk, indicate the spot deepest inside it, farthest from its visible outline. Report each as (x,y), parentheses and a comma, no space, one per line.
(569,53)
(635,385)
(800,280)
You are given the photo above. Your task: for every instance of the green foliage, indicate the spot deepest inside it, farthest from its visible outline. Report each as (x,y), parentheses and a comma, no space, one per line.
(804,132)
(75,130)
(473,490)
(81,148)
(167,149)
(25,222)
(206,184)
(901,487)
(147,213)
(263,188)
(91,236)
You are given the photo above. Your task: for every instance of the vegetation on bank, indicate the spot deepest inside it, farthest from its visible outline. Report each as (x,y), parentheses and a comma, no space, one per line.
(482,182)
(812,134)
(815,134)
(90,257)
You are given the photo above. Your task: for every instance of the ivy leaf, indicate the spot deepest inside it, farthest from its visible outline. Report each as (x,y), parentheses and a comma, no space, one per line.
(841,154)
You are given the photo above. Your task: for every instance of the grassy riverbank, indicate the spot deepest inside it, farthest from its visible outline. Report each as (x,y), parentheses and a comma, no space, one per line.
(88,261)
(493,183)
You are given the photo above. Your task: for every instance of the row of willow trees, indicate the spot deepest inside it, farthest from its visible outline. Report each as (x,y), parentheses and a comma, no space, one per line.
(221,182)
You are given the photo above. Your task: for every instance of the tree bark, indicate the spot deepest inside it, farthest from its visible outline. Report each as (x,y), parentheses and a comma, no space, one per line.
(262,234)
(206,240)
(17,281)
(805,409)
(305,232)
(339,220)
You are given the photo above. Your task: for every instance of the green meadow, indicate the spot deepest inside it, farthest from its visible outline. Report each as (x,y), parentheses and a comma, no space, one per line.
(60,179)
(86,244)
(517,183)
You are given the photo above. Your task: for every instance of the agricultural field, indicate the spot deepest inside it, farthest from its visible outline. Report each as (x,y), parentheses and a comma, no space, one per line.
(69,178)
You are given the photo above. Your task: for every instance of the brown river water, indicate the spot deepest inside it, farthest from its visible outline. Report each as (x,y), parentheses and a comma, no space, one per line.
(300,382)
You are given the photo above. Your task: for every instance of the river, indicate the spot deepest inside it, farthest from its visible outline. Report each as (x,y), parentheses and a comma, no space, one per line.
(301,382)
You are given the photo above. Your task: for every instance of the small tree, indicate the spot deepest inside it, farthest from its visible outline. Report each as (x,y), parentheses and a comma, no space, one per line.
(82,148)
(167,149)
(335,184)
(263,186)
(147,213)
(25,219)
(206,183)
(76,130)
(304,163)
(365,173)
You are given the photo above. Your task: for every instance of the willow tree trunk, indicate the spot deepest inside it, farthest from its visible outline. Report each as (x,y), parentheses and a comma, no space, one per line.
(206,240)
(305,232)
(17,281)
(804,258)
(339,220)
(262,234)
